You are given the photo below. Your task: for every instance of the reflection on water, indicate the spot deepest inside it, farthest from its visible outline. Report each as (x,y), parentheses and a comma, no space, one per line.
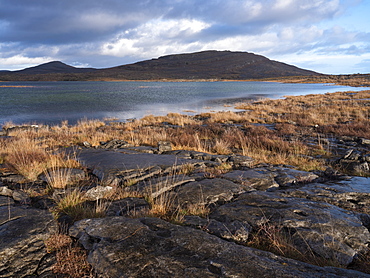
(52,102)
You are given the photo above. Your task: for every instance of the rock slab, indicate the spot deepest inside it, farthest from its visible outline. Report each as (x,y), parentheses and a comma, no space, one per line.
(151,247)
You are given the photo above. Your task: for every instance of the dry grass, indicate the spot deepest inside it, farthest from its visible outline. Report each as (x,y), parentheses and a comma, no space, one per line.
(30,158)
(311,110)
(275,239)
(75,205)
(71,260)
(361,263)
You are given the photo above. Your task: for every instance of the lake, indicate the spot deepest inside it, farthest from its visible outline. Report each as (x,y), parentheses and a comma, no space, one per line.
(53,102)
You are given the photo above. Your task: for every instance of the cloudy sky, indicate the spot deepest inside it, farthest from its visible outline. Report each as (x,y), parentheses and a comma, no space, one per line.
(328,36)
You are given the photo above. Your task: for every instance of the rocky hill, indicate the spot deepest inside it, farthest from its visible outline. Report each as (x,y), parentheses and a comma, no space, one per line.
(220,65)
(52,67)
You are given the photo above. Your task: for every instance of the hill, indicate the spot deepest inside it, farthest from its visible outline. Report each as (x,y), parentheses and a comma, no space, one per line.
(220,65)
(53,67)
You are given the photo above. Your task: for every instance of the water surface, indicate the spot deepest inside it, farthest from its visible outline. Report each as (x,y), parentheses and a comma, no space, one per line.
(52,102)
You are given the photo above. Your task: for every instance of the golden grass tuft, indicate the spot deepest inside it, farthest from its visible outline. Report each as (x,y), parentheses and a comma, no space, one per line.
(71,260)
(75,205)
(26,157)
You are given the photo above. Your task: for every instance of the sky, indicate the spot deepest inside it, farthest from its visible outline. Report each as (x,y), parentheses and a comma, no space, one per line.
(327,36)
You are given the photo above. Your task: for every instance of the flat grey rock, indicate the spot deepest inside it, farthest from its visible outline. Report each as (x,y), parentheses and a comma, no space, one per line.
(107,164)
(325,229)
(22,235)
(208,191)
(259,178)
(150,247)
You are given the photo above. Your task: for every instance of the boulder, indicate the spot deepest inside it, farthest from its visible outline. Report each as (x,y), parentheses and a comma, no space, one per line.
(151,247)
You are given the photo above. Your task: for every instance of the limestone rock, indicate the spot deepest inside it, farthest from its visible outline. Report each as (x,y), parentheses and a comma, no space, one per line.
(236,230)
(21,196)
(208,191)
(164,146)
(13,178)
(150,247)
(240,160)
(128,206)
(259,178)
(287,176)
(115,144)
(97,192)
(109,165)
(327,230)
(22,234)
(6,201)
(5,191)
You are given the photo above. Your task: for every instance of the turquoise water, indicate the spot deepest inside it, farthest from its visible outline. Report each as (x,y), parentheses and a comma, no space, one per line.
(53,102)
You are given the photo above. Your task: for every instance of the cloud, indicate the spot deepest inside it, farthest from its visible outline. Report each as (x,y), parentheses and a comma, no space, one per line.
(21,60)
(112,32)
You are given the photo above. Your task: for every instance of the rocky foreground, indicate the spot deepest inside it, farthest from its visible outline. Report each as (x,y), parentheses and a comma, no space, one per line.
(318,217)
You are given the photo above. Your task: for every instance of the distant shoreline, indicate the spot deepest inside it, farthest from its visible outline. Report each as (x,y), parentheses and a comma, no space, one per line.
(351,81)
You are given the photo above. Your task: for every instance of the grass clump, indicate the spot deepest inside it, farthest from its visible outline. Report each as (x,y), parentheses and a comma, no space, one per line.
(71,259)
(278,240)
(75,205)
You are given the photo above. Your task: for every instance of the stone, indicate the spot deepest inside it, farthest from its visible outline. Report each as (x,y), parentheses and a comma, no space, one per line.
(5,191)
(287,176)
(21,196)
(164,146)
(86,144)
(97,192)
(236,230)
(364,141)
(150,247)
(240,160)
(208,191)
(355,167)
(128,206)
(329,231)
(23,231)
(108,164)
(161,185)
(353,194)
(6,201)
(13,178)
(258,178)
(115,144)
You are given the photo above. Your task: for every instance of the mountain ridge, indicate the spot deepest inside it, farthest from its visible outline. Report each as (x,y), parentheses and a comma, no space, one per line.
(210,64)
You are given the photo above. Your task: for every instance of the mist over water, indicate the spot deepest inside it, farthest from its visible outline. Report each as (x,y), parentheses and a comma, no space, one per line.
(53,102)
